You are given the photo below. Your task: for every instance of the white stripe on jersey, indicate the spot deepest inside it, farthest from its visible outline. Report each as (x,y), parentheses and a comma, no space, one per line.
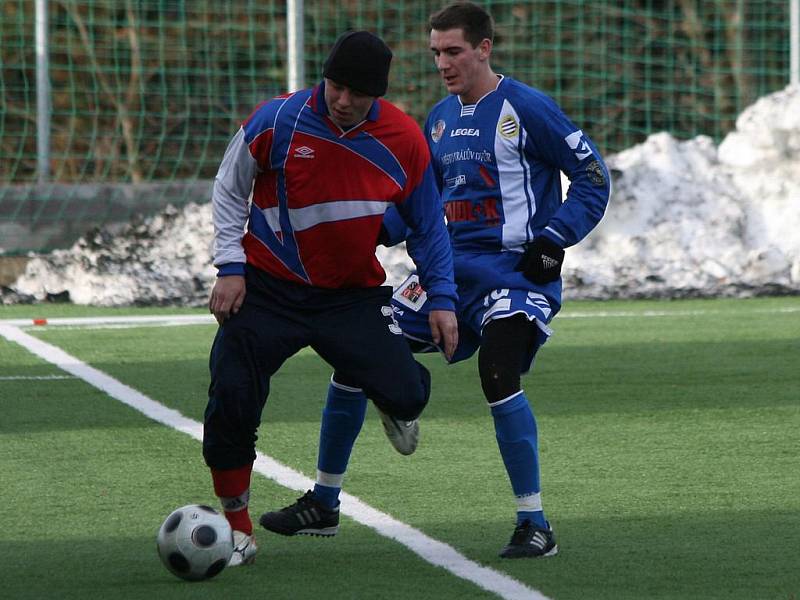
(272,216)
(514,173)
(339,210)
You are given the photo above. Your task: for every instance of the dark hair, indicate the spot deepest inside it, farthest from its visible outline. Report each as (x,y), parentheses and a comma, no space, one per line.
(477,24)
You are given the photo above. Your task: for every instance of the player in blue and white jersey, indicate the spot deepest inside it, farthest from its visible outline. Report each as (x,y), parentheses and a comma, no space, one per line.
(498,147)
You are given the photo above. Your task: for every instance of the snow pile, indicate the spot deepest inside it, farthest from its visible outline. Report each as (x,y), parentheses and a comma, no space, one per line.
(686,218)
(690,219)
(162,260)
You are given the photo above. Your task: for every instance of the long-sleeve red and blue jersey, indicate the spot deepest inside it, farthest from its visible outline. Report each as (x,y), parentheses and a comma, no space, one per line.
(303,200)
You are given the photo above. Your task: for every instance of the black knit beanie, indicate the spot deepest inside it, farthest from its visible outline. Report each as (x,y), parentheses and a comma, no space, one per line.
(359,60)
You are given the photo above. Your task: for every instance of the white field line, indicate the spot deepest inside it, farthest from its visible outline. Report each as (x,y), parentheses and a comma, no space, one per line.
(675,313)
(34,377)
(91,327)
(431,550)
(142,320)
(175,320)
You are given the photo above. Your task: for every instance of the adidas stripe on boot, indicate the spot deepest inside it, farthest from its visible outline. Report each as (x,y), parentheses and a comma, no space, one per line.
(307,516)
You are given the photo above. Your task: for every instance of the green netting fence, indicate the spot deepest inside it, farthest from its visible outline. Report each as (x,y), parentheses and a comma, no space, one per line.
(145,94)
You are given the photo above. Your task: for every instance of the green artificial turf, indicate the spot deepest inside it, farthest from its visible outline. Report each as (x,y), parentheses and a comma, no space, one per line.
(669,440)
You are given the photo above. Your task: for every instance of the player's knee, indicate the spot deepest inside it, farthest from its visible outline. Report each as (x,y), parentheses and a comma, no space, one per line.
(498,381)
(415,400)
(408,399)
(234,401)
(343,379)
(500,360)
(232,417)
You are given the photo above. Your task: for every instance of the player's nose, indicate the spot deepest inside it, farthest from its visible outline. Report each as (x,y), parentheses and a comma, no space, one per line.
(344,98)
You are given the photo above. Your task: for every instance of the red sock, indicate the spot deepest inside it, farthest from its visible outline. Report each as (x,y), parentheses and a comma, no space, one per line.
(232,486)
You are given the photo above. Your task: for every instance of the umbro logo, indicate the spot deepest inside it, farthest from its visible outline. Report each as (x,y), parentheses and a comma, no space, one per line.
(548,262)
(304,152)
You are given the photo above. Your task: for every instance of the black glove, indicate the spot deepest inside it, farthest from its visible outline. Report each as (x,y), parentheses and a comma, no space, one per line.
(542,261)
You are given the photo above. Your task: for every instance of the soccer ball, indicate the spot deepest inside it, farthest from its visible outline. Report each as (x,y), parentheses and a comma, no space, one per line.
(195,542)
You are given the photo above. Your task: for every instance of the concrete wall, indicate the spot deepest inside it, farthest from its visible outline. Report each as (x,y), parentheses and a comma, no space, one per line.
(40,218)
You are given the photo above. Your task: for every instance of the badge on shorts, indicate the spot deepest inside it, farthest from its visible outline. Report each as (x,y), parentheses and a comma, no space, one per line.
(411,293)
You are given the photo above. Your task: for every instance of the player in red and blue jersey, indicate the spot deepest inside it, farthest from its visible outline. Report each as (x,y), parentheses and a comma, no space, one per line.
(298,204)
(498,147)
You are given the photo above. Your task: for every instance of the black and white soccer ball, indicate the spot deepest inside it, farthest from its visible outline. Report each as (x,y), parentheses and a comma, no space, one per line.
(195,542)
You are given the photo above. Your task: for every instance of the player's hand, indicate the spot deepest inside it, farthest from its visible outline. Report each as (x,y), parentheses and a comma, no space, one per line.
(444,329)
(542,261)
(226,297)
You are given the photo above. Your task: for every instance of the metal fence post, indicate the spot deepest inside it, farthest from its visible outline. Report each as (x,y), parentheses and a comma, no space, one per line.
(43,103)
(295,60)
(794,42)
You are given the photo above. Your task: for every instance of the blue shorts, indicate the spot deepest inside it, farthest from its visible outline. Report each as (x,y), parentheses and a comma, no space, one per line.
(489,288)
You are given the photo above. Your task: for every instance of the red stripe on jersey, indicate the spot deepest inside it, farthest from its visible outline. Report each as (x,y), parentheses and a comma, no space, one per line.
(486,176)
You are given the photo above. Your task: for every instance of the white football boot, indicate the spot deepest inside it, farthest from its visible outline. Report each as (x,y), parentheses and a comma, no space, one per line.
(244,549)
(404,435)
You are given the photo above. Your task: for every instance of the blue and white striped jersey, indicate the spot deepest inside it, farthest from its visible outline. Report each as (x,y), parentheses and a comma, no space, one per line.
(497,164)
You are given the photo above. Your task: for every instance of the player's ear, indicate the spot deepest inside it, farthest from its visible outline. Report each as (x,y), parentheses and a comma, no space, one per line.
(485,49)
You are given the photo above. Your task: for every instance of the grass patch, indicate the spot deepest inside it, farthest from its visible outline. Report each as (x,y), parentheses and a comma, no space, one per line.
(668,443)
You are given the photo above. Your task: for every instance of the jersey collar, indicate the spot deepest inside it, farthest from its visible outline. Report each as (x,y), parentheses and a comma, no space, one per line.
(500,79)
(318,103)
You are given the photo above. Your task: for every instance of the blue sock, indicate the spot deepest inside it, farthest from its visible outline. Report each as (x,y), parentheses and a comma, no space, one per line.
(342,419)
(517,437)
